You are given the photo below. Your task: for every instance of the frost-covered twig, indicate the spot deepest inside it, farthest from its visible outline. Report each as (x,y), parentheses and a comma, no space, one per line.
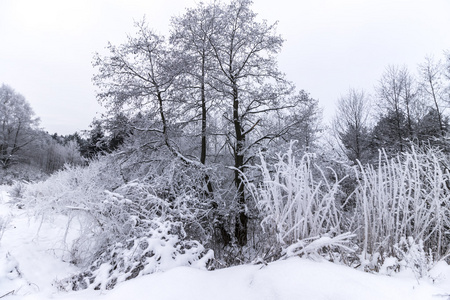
(296,198)
(313,245)
(407,196)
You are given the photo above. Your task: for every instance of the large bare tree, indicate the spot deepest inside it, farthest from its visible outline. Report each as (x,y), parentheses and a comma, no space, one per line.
(251,84)
(218,69)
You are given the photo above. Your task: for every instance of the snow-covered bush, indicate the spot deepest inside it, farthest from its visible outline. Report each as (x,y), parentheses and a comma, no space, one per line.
(161,248)
(403,196)
(84,195)
(321,246)
(16,192)
(297,201)
(114,220)
(17,189)
(79,193)
(75,186)
(408,256)
(197,195)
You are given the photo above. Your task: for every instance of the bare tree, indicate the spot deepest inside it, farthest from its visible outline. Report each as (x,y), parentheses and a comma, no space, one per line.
(409,96)
(137,79)
(397,94)
(17,126)
(447,75)
(351,123)
(244,50)
(190,38)
(432,85)
(303,123)
(219,70)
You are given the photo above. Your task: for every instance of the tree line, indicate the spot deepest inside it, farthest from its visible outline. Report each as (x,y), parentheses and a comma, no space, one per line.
(27,152)
(405,110)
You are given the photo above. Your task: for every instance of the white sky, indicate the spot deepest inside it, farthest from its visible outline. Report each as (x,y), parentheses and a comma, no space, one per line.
(46,46)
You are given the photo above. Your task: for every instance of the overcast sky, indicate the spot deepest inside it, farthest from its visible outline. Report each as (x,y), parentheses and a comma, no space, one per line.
(46,46)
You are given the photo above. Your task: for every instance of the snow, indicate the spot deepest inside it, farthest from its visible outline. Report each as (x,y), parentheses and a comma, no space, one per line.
(30,262)
(294,278)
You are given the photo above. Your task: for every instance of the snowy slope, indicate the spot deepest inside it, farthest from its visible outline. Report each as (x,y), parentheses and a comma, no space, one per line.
(33,251)
(29,266)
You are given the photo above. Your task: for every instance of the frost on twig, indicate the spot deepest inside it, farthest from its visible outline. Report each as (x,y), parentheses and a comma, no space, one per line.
(313,246)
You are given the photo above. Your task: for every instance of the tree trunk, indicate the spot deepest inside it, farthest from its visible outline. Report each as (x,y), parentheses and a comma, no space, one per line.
(433,94)
(398,124)
(204,116)
(241,219)
(203,100)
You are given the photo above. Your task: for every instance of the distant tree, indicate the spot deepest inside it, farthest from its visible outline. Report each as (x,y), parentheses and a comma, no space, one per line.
(302,123)
(409,98)
(17,126)
(433,89)
(389,90)
(431,128)
(351,124)
(388,134)
(57,138)
(97,140)
(51,156)
(447,75)
(397,94)
(76,137)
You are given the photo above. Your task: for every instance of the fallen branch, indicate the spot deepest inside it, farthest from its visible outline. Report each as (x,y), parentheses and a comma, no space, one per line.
(9,293)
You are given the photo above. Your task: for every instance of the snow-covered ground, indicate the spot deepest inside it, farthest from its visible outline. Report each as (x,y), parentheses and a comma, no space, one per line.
(29,267)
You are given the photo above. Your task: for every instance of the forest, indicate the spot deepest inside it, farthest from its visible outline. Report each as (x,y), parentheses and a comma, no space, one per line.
(209,156)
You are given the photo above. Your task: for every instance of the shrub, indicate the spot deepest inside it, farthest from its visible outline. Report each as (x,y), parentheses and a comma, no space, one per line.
(78,193)
(407,196)
(115,222)
(412,255)
(296,199)
(160,248)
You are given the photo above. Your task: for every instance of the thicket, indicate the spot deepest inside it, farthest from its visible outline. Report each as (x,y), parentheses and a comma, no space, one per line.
(396,216)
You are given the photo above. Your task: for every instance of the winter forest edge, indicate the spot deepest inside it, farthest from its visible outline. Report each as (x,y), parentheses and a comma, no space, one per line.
(208,156)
